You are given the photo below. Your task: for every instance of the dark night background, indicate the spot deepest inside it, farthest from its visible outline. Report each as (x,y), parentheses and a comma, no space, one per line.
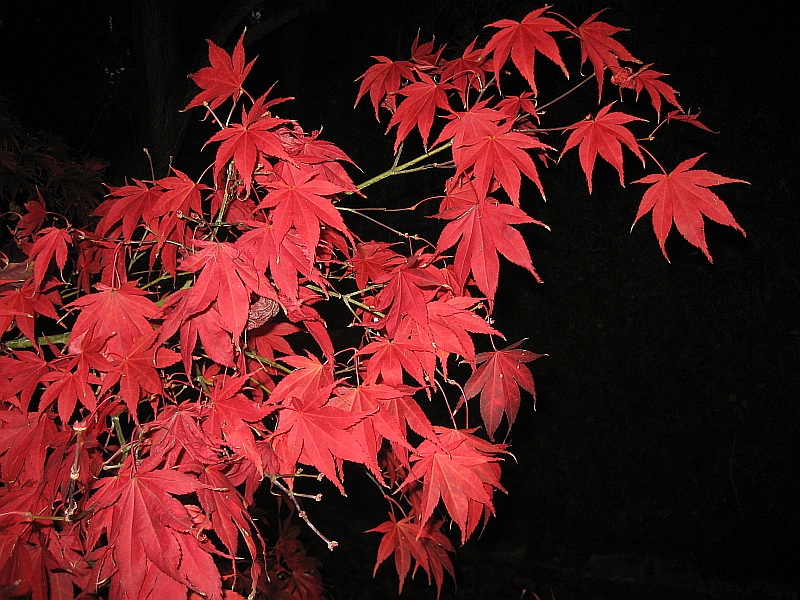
(662,460)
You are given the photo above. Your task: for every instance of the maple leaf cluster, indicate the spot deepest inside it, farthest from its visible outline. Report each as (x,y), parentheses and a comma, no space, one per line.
(160,367)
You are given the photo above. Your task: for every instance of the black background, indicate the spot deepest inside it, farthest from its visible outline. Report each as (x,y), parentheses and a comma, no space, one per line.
(663,454)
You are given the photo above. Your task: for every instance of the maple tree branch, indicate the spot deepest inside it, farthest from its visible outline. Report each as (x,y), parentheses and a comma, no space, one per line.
(347,298)
(396,169)
(24,342)
(302,514)
(402,234)
(655,160)
(263,360)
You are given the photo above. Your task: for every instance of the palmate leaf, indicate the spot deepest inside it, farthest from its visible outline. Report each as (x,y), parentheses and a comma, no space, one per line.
(499,154)
(20,375)
(602,135)
(599,47)
(136,371)
(21,304)
(392,356)
(247,141)
(411,542)
(409,287)
(382,79)
(313,433)
(150,533)
(127,203)
(230,417)
(301,199)
(482,229)
(451,322)
(52,242)
(522,40)
(498,380)
(649,80)
(423,97)
(682,197)
(24,445)
(224,78)
(118,316)
(455,467)
(468,71)
(228,276)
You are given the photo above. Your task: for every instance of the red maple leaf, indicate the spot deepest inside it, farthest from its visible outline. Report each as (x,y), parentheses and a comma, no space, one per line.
(245,143)
(127,203)
(499,153)
(381,423)
(482,229)
(302,199)
(70,382)
(522,40)
(232,418)
(24,445)
(150,533)
(600,48)
(603,135)
(20,305)
(230,519)
(207,325)
(688,117)
(411,542)
(118,316)
(409,287)
(649,80)
(498,380)
(224,78)
(451,323)
(166,217)
(136,371)
(308,375)
(20,376)
(425,56)
(228,277)
(417,110)
(466,127)
(401,352)
(322,155)
(455,468)
(312,433)
(371,261)
(383,79)
(467,71)
(52,241)
(682,196)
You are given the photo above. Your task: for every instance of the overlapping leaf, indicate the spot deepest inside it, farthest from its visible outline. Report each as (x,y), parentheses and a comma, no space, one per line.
(382,79)
(314,434)
(411,542)
(150,533)
(455,468)
(599,47)
(499,153)
(423,97)
(482,228)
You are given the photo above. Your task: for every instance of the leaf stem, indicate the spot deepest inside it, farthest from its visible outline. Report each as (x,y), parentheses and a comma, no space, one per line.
(567,93)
